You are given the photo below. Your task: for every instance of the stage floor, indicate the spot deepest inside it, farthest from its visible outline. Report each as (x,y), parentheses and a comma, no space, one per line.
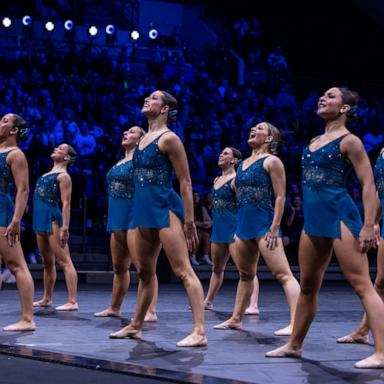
(79,340)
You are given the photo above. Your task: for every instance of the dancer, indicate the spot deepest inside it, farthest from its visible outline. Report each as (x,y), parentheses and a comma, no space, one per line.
(158,214)
(121,190)
(332,222)
(259,180)
(361,334)
(224,214)
(14,170)
(51,226)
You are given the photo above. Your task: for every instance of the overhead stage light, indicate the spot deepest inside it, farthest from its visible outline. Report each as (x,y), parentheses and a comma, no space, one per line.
(26,20)
(110,29)
(153,34)
(93,31)
(135,35)
(6,22)
(49,26)
(68,25)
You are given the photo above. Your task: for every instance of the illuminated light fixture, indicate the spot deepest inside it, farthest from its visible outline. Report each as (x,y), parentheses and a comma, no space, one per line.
(6,22)
(135,35)
(26,20)
(153,33)
(49,26)
(93,31)
(110,29)
(68,25)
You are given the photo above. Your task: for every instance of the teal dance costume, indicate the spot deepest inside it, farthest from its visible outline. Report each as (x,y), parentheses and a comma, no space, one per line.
(6,182)
(46,203)
(154,195)
(379,179)
(255,196)
(121,190)
(326,201)
(224,214)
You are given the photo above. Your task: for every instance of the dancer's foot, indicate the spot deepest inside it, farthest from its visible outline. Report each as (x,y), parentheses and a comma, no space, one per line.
(150,317)
(354,339)
(286,331)
(21,326)
(252,310)
(107,313)
(127,332)
(229,324)
(193,340)
(68,307)
(42,303)
(371,362)
(208,306)
(284,351)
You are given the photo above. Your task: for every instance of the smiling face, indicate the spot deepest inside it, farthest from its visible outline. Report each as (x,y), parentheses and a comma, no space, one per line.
(259,135)
(226,158)
(60,154)
(331,104)
(154,105)
(131,137)
(7,125)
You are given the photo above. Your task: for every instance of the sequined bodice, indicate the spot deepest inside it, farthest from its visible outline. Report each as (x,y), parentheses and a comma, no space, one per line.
(120,181)
(6,179)
(224,198)
(254,185)
(151,167)
(325,167)
(379,176)
(47,188)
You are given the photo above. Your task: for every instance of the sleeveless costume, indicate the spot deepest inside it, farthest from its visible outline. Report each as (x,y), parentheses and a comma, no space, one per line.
(46,203)
(6,182)
(121,190)
(154,195)
(224,214)
(379,180)
(255,196)
(326,201)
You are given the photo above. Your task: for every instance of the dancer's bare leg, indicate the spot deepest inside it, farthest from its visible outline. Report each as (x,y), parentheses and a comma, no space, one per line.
(356,270)
(253,308)
(220,256)
(49,272)
(245,258)
(360,335)
(121,276)
(63,257)
(151,315)
(314,256)
(14,259)
(175,247)
(277,262)
(147,249)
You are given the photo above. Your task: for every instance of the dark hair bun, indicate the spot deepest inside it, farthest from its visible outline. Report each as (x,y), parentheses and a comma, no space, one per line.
(172,114)
(23,134)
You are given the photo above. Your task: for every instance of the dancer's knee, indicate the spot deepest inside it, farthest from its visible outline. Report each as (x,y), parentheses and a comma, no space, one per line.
(309,288)
(146,275)
(379,286)
(281,277)
(119,269)
(246,276)
(218,270)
